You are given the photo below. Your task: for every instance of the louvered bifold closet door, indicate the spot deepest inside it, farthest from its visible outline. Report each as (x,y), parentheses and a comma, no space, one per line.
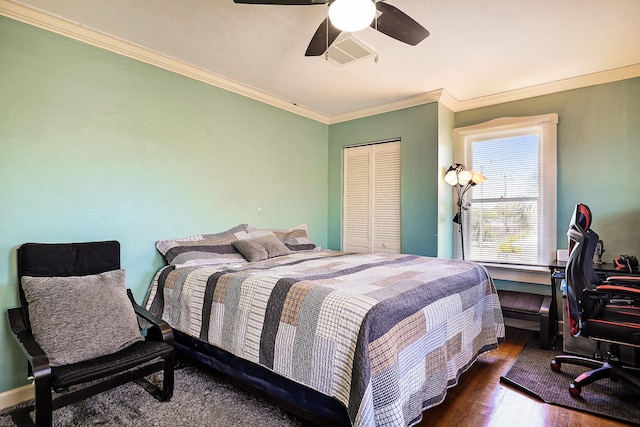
(386,198)
(372,198)
(357,203)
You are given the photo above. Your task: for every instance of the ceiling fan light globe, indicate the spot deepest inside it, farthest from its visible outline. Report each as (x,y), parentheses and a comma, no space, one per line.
(352,15)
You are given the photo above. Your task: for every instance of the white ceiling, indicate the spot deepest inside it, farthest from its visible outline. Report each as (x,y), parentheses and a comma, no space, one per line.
(478,49)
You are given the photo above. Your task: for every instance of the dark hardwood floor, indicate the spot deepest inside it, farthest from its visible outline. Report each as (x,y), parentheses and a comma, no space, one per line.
(480,399)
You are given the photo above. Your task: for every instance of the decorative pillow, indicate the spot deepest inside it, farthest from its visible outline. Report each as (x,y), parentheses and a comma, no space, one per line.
(203,249)
(78,318)
(295,238)
(260,248)
(252,233)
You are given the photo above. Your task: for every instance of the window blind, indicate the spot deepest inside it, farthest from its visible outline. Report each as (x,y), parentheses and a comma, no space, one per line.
(512,217)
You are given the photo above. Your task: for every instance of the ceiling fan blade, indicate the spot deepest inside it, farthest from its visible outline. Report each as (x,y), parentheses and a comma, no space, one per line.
(283,2)
(398,25)
(319,42)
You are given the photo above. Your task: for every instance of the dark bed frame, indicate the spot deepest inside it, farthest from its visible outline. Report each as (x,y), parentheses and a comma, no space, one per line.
(293,397)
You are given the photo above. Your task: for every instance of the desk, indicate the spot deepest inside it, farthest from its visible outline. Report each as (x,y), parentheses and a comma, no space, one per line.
(557,270)
(604,270)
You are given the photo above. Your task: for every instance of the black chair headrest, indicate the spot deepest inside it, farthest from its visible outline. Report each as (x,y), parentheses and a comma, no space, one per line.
(68,259)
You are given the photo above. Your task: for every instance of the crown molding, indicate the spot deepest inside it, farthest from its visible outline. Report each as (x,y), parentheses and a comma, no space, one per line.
(40,19)
(607,76)
(425,98)
(74,31)
(449,101)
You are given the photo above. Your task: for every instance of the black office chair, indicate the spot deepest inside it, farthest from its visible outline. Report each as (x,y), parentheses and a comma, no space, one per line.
(606,311)
(77,381)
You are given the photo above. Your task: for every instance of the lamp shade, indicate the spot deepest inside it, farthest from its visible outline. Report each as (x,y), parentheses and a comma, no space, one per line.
(352,15)
(464,177)
(477,178)
(462,180)
(457,174)
(451,177)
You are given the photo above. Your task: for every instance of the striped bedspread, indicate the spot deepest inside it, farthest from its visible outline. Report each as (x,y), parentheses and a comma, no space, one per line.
(386,335)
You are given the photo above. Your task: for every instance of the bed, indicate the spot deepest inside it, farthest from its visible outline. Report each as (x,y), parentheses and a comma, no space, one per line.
(344,339)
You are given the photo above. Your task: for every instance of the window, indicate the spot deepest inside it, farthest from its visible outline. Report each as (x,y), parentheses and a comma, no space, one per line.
(512,217)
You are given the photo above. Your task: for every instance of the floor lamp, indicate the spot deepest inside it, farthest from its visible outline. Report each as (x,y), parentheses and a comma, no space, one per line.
(462,180)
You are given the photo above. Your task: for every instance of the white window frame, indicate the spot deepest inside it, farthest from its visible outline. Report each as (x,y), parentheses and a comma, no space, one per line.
(546,126)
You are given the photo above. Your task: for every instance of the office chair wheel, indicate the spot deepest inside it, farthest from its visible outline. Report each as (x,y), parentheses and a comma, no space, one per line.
(555,366)
(574,390)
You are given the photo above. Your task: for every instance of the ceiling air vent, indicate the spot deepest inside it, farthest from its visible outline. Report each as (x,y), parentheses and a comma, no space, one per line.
(349,50)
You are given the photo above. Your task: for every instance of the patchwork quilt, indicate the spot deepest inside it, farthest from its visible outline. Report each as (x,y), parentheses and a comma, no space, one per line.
(384,334)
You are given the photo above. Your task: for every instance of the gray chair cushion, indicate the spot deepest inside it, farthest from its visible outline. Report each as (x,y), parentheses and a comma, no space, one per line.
(77,318)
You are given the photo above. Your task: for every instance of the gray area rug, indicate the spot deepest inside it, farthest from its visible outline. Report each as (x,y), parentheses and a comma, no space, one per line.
(532,373)
(199,399)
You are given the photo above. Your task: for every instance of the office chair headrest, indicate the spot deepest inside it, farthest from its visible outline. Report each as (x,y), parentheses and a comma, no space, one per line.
(581,216)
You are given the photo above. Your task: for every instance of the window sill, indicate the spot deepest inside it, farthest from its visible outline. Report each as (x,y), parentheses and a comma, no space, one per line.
(520,273)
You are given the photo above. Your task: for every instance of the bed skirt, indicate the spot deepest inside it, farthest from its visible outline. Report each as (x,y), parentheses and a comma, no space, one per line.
(291,396)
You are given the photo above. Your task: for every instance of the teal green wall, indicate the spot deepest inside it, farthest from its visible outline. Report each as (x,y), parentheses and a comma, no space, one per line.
(418,129)
(598,153)
(96,146)
(598,156)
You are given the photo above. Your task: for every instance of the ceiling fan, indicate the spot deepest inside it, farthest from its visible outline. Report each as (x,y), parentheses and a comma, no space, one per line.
(390,21)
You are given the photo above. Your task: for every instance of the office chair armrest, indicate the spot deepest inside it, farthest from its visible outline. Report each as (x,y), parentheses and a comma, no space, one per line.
(35,355)
(619,291)
(623,280)
(159,330)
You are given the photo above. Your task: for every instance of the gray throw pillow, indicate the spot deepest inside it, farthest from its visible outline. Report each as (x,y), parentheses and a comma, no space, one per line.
(295,238)
(261,248)
(78,318)
(203,249)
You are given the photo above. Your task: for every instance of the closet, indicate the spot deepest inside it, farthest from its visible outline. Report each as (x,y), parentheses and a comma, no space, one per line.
(371,214)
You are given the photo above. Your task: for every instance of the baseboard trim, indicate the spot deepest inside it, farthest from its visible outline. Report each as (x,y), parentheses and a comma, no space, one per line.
(17,395)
